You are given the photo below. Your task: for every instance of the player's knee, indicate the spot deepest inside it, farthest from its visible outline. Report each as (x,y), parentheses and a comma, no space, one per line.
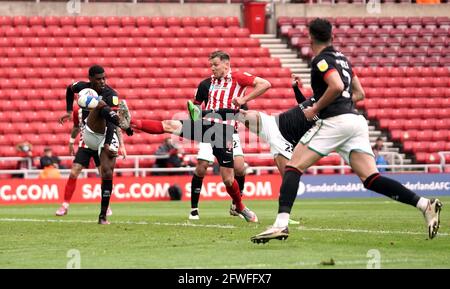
(75,171)
(107,174)
(200,169)
(228,181)
(239,168)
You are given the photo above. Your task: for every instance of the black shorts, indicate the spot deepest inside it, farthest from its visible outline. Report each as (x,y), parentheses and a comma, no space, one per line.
(219,135)
(84,155)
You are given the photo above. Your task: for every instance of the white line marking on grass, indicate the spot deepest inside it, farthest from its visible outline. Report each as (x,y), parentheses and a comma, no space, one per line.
(366,231)
(218,226)
(374,202)
(119,222)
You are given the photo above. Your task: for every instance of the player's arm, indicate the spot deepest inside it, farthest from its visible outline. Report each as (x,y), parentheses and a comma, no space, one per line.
(358,93)
(75,131)
(70,95)
(73,135)
(123,150)
(260,85)
(298,93)
(334,89)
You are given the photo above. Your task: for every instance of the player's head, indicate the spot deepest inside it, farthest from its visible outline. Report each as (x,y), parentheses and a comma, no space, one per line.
(97,77)
(320,32)
(220,63)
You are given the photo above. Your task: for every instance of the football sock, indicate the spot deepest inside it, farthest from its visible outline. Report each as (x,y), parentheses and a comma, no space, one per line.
(69,189)
(422,204)
(241,182)
(391,189)
(106,195)
(149,126)
(235,194)
(288,190)
(282,220)
(196,187)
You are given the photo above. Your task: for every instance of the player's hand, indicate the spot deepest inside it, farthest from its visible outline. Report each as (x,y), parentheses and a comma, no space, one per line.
(238,101)
(123,152)
(71,150)
(296,80)
(311,113)
(64,118)
(129,131)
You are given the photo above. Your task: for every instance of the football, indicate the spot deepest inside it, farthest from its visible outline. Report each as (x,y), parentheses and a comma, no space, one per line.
(88,98)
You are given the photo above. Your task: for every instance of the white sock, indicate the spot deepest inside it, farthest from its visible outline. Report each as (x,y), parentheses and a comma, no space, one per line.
(65,205)
(422,204)
(282,220)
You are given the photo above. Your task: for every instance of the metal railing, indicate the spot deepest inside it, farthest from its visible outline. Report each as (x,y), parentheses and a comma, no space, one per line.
(396,164)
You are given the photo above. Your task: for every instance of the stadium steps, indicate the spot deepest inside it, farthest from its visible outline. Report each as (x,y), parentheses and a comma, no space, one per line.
(288,57)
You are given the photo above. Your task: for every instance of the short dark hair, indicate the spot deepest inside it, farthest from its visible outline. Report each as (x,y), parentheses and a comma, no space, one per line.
(221,54)
(320,29)
(96,69)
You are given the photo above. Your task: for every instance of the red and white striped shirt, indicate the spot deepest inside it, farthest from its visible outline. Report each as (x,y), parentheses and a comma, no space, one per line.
(223,90)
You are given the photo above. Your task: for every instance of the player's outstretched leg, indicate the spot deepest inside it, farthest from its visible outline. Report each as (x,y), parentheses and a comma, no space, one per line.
(194,111)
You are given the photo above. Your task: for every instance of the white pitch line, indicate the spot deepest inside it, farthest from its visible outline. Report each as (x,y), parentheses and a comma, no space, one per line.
(188,224)
(119,222)
(366,231)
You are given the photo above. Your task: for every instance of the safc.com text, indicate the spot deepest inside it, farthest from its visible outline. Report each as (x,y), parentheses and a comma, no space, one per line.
(125,189)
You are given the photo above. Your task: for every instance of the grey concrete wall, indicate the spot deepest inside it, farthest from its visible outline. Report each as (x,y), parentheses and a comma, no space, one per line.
(119,9)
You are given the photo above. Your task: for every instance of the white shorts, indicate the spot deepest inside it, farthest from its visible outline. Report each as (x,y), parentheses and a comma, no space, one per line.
(343,133)
(272,135)
(95,141)
(205,151)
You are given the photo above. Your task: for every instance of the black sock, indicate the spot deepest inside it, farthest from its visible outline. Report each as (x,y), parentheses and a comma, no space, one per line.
(288,190)
(106,195)
(241,182)
(391,189)
(109,115)
(196,187)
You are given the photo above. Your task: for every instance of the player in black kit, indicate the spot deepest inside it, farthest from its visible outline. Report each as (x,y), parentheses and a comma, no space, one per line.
(100,133)
(339,128)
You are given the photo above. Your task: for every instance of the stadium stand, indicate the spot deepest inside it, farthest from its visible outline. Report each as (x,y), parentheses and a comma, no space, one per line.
(403,64)
(155,63)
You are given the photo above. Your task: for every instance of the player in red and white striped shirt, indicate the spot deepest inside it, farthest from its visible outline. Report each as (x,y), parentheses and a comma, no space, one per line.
(227,90)
(218,91)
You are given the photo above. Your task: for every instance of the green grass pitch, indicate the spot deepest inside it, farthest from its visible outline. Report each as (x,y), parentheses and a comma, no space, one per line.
(158,235)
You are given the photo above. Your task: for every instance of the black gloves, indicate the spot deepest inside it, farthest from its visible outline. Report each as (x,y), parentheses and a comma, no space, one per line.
(129,131)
